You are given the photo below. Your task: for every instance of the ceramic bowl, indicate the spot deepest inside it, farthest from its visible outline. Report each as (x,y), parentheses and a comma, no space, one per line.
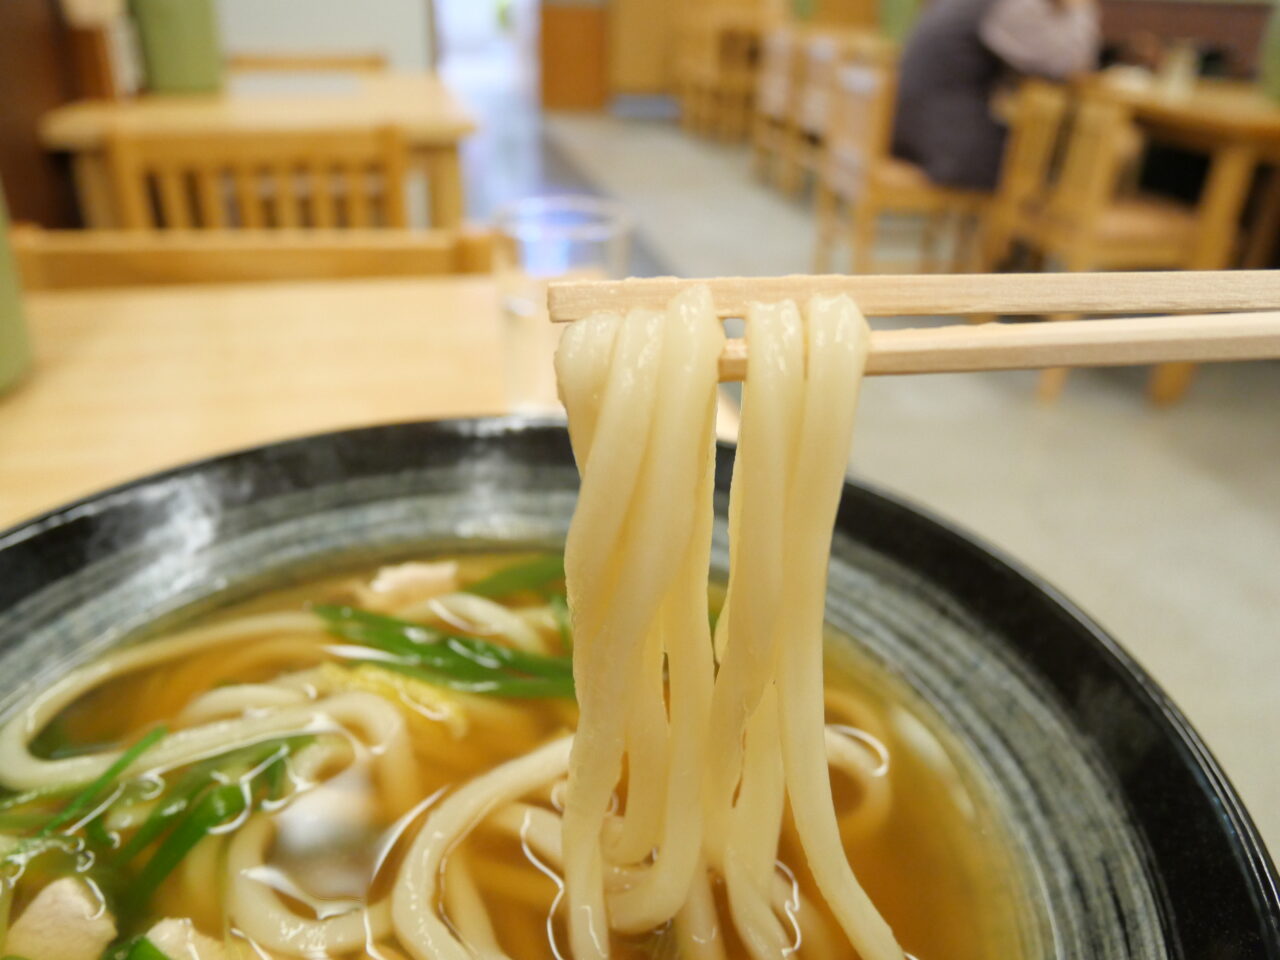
(1131,841)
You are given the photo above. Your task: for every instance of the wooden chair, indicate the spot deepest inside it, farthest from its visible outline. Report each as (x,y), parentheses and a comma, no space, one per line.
(718,54)
(1035,129)
(819,57)
(78,259)
(272,179)
(777,86)
(859,180)
(1084,224)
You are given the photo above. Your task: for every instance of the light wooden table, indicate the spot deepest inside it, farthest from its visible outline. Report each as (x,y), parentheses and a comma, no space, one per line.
(419,104)
(131,381)
(1237,126)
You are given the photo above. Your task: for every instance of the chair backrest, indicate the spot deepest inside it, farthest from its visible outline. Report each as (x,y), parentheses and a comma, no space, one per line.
(272,179)
(77,259)
(1099,141)
(860,121)
(823,54)
(775,79)
(1035,128)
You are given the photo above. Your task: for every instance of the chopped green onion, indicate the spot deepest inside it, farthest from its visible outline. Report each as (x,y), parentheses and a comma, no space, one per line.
(411,642)
(165,812)
(187,790)
(560,611)
(6,905)
(531,575)
(497,684)
(144,949)
(273,777)
(85,798)
(95,830)
(215,808)
(135,948)
(435,648)
(445,659)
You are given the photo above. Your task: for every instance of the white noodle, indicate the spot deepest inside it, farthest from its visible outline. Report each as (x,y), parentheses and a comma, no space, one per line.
(418,924)
(19,770)
(637,392)
(257,909)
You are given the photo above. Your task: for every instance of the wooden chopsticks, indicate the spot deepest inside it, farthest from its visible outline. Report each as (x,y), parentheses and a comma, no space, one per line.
(1219,335)
(892,295)
(1197,338)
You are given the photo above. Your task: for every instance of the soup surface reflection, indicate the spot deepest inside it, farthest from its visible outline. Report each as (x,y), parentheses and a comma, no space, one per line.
(248,787)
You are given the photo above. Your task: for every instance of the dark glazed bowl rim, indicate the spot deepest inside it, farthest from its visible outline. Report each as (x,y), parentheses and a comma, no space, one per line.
(1218,884)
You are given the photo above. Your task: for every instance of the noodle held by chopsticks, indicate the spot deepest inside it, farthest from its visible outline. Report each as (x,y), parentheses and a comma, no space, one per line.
(710,765)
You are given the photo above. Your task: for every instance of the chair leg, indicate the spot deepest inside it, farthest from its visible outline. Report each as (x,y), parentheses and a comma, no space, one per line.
(765,145)
(759,156)
(1169,382)
(1053,379)
(1076,259)
(1261,245)
(992,241)
(825,215)
(737,116)
(1051,383)
(933,224)
(864,237)
(724,115)
(789,171)
(963,254)
(688,107)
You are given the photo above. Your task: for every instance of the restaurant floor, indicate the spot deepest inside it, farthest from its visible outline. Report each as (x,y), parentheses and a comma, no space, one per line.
(1162,524)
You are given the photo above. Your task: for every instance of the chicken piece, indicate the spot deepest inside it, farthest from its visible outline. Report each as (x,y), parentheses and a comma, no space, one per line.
(398,586)
(65,921)
(178,939)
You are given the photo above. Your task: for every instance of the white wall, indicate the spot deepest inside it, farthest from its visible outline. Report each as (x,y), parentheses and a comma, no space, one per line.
(399,29)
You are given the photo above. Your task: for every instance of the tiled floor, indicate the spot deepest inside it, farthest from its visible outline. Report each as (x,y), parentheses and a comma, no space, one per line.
(1164,525)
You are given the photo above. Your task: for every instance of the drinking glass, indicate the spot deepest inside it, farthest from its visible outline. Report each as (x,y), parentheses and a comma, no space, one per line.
(540,239)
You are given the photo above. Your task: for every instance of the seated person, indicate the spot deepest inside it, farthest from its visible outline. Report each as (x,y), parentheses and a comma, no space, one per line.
(958,55)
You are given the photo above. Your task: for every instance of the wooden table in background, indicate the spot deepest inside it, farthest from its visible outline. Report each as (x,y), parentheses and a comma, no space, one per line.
(131,381)
(420,105)
(1237,127)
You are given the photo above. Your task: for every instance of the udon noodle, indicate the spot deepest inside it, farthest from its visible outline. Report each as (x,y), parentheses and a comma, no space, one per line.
(711,760)
(394,766)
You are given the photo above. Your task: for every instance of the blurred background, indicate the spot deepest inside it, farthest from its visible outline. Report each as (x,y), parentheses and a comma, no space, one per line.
(231,221)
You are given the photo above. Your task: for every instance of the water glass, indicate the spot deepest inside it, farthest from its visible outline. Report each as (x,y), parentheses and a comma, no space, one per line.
(542,239)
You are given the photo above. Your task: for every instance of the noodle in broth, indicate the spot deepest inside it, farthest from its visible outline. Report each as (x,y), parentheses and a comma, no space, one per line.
(436,760)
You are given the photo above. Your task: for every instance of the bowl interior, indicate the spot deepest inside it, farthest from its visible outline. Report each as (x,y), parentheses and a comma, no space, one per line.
(1133,843)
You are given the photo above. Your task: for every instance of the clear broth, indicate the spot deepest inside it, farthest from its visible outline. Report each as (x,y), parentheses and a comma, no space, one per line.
(939,867)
